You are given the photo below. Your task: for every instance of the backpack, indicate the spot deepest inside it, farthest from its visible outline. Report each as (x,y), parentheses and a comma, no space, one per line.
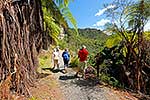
(66,56)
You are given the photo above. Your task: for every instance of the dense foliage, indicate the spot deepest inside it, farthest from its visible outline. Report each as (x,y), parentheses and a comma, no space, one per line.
(129,33)
(56,14)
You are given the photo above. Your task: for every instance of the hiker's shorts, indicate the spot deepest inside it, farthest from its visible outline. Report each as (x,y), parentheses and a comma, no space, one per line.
(82,66)
(55,61)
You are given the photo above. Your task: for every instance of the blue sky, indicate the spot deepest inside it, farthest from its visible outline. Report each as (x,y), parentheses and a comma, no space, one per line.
(85,11)
(90,13)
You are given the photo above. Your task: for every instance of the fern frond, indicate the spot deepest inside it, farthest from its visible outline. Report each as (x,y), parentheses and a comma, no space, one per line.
(53,28)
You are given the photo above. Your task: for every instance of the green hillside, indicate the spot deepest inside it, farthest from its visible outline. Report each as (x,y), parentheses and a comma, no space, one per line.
(93,34)
(93,39)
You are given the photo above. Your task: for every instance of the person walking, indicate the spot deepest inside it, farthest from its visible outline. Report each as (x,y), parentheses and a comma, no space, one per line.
(82,55)
(66,58)
(56,58)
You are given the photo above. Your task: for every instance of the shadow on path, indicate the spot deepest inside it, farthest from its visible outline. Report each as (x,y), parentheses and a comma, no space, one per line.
(80,81)
(42,75)
(86,82)
(65,77)
(55,70)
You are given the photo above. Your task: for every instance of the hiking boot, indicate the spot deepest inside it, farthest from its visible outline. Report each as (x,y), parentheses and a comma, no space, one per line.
(64,71)
(76,75)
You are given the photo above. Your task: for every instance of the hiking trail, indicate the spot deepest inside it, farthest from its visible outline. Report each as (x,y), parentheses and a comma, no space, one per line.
(59,86)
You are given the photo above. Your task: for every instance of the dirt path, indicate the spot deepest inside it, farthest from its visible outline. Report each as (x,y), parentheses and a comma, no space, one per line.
(79,89)
(60,86)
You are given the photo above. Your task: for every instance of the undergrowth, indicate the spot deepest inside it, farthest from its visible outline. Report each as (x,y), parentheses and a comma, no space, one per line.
(45,60)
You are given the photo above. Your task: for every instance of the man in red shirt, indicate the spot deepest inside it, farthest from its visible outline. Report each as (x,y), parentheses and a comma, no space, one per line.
(82,55)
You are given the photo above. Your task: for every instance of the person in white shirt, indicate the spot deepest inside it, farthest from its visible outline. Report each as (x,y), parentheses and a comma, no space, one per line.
(56,58)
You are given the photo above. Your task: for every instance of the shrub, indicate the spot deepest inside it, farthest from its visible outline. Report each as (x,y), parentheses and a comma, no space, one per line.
(74,62)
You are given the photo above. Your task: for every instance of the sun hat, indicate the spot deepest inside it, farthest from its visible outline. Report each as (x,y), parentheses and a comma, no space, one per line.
(83,46)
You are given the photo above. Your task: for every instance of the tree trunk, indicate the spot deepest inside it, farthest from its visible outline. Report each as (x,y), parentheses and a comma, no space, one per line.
(20,42)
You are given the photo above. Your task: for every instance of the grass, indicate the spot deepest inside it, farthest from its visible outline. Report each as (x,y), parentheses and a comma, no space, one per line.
(33,98)
(45,60)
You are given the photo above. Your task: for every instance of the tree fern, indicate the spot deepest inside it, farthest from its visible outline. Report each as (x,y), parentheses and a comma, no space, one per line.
(63,7)
(52,28)
(68,15)
(54,16)
(113,40)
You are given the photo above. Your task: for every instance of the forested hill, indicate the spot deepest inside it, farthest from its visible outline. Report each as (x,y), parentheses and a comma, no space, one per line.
(93,33)
(93,39)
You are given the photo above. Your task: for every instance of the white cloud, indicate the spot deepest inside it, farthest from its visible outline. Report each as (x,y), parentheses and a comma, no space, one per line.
(100,12)
(101,22)
(147,26)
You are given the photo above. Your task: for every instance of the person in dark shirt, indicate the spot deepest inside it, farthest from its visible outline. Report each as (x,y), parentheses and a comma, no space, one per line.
(66,58)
